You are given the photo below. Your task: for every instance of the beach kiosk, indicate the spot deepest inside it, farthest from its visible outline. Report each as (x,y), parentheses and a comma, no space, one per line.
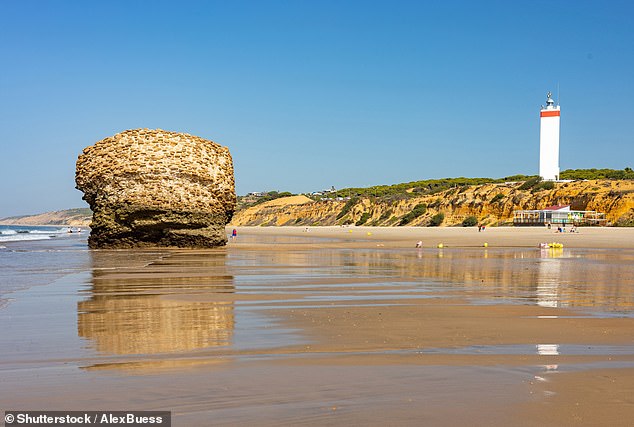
(558,215)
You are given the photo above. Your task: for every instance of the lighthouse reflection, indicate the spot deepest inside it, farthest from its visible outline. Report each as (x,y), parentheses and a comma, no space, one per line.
(549,277)
(156,307)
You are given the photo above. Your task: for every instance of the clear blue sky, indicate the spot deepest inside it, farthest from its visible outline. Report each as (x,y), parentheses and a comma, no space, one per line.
(309,94)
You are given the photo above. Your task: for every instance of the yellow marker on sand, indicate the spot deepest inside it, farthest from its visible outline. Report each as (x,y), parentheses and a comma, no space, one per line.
(485,244)
(440,245)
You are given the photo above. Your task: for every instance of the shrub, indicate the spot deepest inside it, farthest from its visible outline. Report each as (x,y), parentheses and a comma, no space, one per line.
(544,185)
(436,202)
(497,198)
(418,210)
(626,173)
(347,207)
(364,218)
(385,215)
(437,219)
(469,221)
(530,183)
(463,188)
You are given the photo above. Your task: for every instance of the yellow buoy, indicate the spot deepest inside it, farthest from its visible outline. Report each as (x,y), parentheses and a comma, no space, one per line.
(349,231)
(440,245)
(485,244)
(369,234)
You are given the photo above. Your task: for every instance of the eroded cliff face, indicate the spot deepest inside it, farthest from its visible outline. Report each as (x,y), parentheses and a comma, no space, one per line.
(491,204)
(157,188)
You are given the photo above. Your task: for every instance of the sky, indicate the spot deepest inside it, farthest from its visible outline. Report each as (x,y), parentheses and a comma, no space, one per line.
(313,94)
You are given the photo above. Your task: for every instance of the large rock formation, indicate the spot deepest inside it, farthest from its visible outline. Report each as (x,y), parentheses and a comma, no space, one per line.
(157,188)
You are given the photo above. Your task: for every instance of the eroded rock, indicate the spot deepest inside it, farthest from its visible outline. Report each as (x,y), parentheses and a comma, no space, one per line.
(157,188)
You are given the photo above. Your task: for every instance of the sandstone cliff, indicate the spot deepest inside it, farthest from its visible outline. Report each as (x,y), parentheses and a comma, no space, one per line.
(157,188)
(491,204)
(78,217)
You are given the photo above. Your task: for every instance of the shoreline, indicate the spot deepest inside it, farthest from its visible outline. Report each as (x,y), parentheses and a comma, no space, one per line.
(450,237)
(455,237)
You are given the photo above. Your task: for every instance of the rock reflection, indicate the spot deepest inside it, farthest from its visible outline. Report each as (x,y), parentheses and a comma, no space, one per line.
(153,308)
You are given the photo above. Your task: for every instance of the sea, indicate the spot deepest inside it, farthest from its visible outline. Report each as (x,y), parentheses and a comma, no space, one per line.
(38,255)
(19,233)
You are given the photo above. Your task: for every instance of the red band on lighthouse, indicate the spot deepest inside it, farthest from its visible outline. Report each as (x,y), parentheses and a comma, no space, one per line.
(550,113)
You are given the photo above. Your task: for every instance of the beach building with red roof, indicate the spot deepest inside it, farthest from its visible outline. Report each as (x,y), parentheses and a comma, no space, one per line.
(558,215)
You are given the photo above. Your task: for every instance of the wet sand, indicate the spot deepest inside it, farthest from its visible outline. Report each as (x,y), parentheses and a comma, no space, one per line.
(327,327)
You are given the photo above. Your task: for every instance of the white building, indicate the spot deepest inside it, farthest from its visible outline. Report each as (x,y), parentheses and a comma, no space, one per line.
(549,140)
(558,215)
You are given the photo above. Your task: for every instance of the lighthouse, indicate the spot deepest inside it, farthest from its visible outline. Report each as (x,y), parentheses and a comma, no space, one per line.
(549,140)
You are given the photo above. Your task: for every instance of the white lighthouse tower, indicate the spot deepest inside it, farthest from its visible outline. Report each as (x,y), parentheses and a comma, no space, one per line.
(549,140)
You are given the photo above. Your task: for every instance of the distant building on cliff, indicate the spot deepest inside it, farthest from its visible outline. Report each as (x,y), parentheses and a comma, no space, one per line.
(549,140)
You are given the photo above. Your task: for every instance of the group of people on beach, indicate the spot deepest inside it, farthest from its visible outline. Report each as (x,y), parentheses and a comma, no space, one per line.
(562,228)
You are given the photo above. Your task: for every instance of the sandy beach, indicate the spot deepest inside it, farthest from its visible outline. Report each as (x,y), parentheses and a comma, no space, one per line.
(335,326)
(461,237)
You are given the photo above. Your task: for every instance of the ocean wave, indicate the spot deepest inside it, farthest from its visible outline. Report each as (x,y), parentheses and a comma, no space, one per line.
(22,237)
(18,230)
(58,231)
(22,233)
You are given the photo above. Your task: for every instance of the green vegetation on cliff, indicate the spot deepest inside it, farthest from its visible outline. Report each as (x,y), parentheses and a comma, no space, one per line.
(418,210)
(470,221)
(626,173)
(437,219)
(419,188)
(434,186)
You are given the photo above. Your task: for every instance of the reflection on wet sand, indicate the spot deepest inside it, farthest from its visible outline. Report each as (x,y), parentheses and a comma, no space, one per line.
(185,301)
(280,334)
(126,311)
(548,349)
(549,275)
(550,278)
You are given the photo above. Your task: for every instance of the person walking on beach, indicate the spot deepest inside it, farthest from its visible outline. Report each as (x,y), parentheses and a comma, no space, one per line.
(234,233)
